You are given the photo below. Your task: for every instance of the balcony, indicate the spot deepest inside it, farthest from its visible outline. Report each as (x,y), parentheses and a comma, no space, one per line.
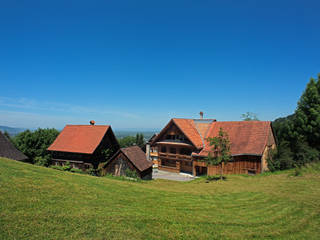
(173,156)
(154,154)
(175,142)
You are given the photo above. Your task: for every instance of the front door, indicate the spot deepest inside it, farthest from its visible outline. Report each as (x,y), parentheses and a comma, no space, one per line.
(201,171)
(186,166)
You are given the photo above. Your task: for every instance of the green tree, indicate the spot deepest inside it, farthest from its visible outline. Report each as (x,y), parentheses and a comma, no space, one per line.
(298,135)
(249,116)
(127,141)
(140,140)
(220,152)
(307,115)
(34,144)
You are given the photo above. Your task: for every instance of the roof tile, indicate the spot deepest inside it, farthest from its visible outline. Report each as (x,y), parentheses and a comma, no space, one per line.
(8,150)
(79,138)
(137,157)
(246,137)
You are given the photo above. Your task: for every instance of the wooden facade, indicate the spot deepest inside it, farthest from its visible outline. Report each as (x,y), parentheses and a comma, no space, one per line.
(83,159)
(238,165)
(180,150)
(152,152)
(174,151)
(131,158)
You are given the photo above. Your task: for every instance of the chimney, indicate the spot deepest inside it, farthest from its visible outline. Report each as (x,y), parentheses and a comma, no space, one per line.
(201,115)
(92,122)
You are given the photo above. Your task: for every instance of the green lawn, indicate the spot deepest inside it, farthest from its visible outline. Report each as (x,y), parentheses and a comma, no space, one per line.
(42,203)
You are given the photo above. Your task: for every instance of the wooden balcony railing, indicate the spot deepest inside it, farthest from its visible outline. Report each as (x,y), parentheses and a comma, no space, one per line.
(175,156)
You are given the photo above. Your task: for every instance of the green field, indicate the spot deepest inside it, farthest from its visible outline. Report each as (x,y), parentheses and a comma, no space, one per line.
(42,203)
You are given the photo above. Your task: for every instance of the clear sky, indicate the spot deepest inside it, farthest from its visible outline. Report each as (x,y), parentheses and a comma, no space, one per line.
(136,64)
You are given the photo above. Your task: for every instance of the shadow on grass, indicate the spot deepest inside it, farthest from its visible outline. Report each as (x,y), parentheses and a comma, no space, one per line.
(215,178)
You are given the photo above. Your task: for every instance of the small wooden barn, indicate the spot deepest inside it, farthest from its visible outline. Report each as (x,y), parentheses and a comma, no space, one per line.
(8,150)
(83,145)
(132,159)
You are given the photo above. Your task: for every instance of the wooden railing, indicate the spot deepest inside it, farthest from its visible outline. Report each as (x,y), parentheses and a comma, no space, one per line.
(175,156)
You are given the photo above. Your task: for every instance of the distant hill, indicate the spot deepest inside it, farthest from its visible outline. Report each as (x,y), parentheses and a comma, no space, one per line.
(124,133)
(11,130)
(120,133)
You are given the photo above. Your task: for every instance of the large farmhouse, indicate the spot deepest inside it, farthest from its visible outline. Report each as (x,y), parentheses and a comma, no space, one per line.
(182,145)
(83,145)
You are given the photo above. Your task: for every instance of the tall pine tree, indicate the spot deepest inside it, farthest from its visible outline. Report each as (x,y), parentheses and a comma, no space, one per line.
(298,135)
(307,115)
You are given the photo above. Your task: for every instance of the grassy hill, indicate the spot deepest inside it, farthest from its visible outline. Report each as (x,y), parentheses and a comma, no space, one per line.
(42,203)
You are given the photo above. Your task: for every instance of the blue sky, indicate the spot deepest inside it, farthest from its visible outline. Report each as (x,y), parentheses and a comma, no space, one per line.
(136,64)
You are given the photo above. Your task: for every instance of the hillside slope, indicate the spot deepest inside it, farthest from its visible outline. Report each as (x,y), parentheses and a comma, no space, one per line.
(42,203)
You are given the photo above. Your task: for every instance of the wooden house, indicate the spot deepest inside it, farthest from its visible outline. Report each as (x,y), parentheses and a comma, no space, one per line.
(182,146)
(152,151)
(132,159)
(8,150)
(83,146)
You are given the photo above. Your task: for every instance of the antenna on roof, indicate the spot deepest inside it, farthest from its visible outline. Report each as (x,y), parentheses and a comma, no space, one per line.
(201,115)
(92,122)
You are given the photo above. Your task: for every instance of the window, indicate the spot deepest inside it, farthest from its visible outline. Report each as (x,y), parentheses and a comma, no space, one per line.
(185,151)
(173,150)
(181,137)
(163,149)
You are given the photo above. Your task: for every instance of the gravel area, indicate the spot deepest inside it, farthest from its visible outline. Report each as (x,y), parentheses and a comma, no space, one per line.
(158,174)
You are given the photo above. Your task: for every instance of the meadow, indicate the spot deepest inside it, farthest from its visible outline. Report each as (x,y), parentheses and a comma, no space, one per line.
(43,203)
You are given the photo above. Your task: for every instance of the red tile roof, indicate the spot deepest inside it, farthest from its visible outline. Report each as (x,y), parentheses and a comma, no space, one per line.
(79,138)
(246,137)
(188,127)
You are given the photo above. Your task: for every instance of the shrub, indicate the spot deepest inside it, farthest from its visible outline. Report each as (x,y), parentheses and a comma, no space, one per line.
(91,171)
(42,161)
(67,166)
(297,171)
(57,167)
(76,170)
(281,158)
(131,173)
(101,170)
(305,154)
(215,178)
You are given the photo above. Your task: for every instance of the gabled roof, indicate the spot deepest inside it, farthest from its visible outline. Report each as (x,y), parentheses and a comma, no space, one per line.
(187,127)
(7,150)
(152,138)
(246,137)
(136,156)
(79,138)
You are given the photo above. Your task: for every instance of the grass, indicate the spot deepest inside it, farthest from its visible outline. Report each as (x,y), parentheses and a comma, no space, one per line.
(43,203)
